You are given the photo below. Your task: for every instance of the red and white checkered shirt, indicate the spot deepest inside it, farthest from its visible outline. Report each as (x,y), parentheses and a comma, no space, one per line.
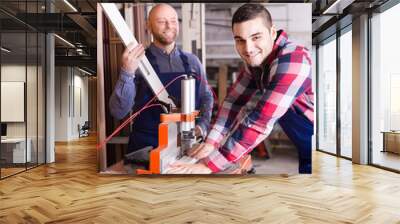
(289,87)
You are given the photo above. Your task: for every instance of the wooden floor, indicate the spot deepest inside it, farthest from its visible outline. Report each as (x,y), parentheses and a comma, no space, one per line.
(10,171)
(70,191)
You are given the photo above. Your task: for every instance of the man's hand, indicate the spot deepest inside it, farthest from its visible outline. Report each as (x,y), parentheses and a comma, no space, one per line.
(198,132)
(179,168)
(201,151)
(131,57)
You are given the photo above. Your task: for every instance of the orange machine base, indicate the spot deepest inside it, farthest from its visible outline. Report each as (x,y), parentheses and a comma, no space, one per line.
(242,167)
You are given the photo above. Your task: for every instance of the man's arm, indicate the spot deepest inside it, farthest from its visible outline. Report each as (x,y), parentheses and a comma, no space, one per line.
(291,76)
(240,93)
(206,101)
(123,97)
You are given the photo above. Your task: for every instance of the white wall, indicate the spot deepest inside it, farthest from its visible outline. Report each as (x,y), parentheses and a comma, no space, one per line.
(33,126)
(61,103)
(79,117)
(12,73)
(71,94)
(295,20)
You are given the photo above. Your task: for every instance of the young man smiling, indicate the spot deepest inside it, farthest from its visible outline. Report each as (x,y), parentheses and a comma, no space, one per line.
(278,69)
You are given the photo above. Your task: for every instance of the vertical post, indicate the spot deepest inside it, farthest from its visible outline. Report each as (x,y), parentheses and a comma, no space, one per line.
(338,96)
(101,118)
(50,92)
(360,90)
(129,18)
(186,32)
(50,98)
(315,90)
(202,39)
(222,82)
(193,29)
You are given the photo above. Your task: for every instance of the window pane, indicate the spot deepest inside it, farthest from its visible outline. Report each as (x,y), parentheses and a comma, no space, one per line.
(22,79)
(385,89)
(41,98)
(327,97)
(346,94)
(15,150)
(31,97)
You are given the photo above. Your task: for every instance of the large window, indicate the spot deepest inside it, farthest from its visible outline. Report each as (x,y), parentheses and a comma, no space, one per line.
(346,93)
(22,88)
(327,96)
(385,89)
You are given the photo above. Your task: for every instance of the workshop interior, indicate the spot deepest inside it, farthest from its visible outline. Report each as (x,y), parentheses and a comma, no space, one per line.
(205,31)
(52,91)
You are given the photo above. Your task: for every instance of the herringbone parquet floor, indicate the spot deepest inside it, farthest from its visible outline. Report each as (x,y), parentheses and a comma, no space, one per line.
(70,191)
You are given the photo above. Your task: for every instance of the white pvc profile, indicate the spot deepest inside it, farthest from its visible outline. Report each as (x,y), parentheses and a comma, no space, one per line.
(127,37)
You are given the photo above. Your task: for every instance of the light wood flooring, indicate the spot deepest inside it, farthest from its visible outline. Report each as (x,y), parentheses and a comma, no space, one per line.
(10,171)
(5,172)
(71,191)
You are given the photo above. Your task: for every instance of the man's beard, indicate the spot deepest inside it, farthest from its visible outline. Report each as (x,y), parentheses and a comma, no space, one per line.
(163,40)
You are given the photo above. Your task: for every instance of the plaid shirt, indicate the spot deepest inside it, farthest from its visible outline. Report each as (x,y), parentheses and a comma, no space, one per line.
(287,87)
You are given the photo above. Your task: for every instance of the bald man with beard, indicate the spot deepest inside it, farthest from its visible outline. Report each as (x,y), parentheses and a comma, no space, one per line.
(131,92)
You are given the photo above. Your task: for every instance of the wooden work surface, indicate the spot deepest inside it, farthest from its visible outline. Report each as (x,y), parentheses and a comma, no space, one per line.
(71,191)
(391,141)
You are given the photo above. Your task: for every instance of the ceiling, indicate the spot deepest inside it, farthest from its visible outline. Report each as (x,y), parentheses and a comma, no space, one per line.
(76,22)
(328,16)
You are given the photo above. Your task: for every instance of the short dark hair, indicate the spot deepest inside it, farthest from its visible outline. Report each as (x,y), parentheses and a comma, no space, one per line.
(251,11)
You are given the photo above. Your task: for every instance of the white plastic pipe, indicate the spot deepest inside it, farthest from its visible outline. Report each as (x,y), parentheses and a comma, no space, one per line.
(126,35)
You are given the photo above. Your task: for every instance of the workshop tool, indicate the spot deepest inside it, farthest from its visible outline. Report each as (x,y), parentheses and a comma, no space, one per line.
(171,147)
(169,150)
(188,138)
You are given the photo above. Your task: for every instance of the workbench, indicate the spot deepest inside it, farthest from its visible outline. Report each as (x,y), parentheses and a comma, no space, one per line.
(391,141)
